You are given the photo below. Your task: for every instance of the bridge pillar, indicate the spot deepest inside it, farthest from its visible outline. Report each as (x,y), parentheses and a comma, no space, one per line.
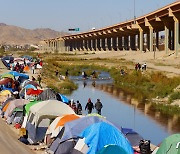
(176,35)
(114,43)
(109,43)
(132,42)
(120,43)
(157,40)
(151,37)
(166,42)
(94,44)
(99,44)
(103,43)
(141,39)
(126,42)
(86,45)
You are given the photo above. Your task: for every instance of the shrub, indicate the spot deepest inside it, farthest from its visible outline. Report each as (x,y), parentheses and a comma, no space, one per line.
(174,96)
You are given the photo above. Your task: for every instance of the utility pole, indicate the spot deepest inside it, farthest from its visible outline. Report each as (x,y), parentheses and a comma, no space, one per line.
(134,12)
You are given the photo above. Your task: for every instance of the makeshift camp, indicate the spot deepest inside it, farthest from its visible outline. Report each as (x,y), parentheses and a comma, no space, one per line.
(170,145)
(112,149)
(48,94)
(41,115)
(74,128)
(58,123)
(100,134)
(14,104)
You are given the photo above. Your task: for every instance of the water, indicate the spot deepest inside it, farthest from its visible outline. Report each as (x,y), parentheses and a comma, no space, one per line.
(117,110)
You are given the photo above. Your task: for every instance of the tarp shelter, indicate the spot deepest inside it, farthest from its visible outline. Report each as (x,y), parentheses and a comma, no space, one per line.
(112,149)
(34,92)
(41,115)
(58,123)
(74,128)
(14,104)
(100,134)
(24,82)
(27,57)
(48,94)
(133,137)
(170,145)
(64,99)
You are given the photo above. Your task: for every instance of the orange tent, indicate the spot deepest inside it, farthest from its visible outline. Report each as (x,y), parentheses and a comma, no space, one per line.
(65,119)
(26,68)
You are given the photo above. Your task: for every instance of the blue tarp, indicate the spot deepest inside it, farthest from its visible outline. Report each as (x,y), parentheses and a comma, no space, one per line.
(30,86)
(114,149)
(64,99)
(100,134)
(25,76)
(74,128)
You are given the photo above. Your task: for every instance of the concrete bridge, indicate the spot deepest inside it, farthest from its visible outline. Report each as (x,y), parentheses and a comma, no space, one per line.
(141,34)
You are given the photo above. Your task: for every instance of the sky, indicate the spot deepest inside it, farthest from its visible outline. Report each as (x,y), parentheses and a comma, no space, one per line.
(61,15)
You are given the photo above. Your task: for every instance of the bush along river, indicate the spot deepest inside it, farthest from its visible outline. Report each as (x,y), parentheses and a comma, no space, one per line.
(123,110)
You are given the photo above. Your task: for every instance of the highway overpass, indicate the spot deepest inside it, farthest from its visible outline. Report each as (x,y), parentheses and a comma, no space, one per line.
(141,34)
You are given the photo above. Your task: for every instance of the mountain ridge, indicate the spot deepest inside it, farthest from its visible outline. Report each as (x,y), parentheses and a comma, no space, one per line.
(10,34)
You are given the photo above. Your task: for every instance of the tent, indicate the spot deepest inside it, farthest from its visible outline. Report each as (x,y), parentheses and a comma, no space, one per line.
(170,145)
(100,134)
(26,68)
(5,93)
(133,137)
(6,60)
(64,99)
(48,94)
(14,104)
(21,75)
(73,129)
(32,83)
(41,115)
(114,149)
(7,75)
(5,81)
(34,92)
(7,101)
(58,123)
(27,57)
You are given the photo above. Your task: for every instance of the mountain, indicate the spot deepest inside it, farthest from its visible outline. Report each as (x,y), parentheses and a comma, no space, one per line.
(16,35)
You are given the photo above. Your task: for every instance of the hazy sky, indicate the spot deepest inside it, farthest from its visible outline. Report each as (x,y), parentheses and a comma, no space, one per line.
(63,14)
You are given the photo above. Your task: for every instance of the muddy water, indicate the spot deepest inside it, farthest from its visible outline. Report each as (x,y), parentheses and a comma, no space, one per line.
(124,111)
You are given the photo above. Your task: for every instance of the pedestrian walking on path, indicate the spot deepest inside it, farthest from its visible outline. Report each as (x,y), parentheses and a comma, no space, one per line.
(98,106)
(89,106)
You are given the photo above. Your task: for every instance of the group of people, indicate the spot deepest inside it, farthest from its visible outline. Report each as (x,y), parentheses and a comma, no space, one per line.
(77,107)
(138,66)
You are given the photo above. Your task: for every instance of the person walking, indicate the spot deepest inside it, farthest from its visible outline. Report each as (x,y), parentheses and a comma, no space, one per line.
(98,106)
(79,108)
(89,106)
(33,68)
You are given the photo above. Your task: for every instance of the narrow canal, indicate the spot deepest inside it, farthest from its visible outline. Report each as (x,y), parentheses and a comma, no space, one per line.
(120,112)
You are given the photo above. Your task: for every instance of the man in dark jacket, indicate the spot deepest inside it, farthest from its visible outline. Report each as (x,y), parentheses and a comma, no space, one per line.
(98,106)
(89,106)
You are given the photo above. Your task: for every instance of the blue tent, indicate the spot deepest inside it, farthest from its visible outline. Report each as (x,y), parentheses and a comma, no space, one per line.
(100,134)
(114,149)
(30,86)
(64,99)
(25,76)
(74,128)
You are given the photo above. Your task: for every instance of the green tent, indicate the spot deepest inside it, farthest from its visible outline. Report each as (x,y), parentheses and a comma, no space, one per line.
(112,149)
(28,106)
(170,145)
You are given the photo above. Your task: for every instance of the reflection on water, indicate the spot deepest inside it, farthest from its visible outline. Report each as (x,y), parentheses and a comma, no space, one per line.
(122,110)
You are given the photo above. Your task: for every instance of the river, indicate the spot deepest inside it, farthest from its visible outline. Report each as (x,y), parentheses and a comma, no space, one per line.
(118,109)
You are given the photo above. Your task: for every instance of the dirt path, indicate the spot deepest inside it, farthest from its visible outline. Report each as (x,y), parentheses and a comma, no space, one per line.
(9,143)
